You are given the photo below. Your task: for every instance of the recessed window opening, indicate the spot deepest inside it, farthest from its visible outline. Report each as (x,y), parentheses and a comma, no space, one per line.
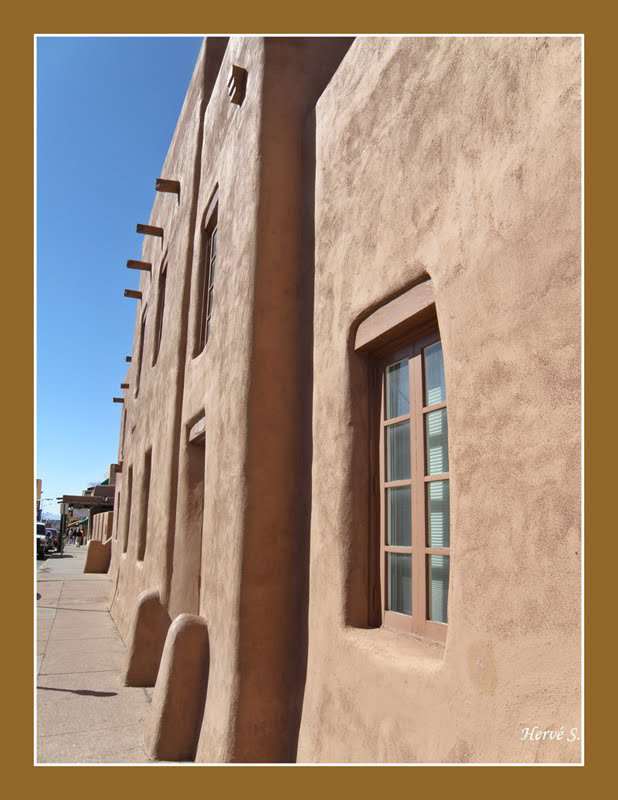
(194,512)
(409,491)
(117,517)
(140,353)
(124,430)
(207,277)
(159,314)
(143,526)
(127,513)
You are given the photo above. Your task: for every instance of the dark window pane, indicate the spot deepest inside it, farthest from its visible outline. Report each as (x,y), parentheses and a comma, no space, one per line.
(398,452)
(397,390)
(399,516)
(399,581)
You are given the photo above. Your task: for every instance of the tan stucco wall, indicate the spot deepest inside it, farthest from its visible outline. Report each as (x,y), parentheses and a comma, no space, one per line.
(457,159)
(103,525)
(206,559)
(152,417)
(453,158)
(249,383)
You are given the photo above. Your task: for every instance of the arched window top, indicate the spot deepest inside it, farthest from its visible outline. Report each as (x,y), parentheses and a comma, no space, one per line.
(409,473)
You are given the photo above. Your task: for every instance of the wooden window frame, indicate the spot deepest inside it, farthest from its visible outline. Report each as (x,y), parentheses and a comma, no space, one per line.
(419,550)
(398,330)
(206,279)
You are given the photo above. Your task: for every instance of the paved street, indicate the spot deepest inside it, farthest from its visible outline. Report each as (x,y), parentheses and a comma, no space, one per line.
(84,715)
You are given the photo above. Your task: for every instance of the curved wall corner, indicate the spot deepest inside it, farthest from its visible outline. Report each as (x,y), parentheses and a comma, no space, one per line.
(98,556)
(149,627)
(173,728)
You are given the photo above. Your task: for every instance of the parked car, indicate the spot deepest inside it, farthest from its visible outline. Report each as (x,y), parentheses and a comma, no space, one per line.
(52,535)
(41,541)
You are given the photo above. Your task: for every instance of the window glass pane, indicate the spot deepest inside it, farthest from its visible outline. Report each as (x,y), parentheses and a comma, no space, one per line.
(436,442)
(435,391)
(437,588)
(213,264)
(211,296)
(397,390)
(399,582)
(398,452)
(398,516)
(438,514)
(213,243)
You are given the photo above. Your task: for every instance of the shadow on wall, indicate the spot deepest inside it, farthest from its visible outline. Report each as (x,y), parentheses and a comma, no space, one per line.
(274,582)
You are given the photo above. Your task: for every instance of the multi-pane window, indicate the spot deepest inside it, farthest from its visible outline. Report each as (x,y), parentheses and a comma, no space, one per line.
(414,490)
(207,282)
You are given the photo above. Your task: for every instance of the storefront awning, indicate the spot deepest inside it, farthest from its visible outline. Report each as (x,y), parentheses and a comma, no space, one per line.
(83,521)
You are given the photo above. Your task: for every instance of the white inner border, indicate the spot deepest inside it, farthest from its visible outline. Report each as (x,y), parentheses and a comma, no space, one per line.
(579,36)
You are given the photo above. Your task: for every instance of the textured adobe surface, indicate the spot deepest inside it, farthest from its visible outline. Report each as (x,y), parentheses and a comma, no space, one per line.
(146,639)
(152,403)
(98,556)
(456,159)
(178,701)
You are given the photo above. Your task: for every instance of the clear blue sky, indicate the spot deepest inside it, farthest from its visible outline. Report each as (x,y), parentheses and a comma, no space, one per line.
(106,111)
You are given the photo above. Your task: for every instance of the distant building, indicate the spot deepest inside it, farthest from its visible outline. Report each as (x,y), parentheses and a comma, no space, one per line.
(347,520)
(81,512)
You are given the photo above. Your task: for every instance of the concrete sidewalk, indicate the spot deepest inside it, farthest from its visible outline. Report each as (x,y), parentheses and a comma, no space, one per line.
(84,715)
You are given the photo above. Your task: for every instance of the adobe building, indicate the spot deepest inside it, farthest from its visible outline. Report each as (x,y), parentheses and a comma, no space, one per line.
(347,509)
(91,513)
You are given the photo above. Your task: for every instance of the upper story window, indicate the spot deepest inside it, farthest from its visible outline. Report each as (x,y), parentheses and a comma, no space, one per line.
(124,431)
(140,353)
(206,288)
(411,530)
(159,315)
